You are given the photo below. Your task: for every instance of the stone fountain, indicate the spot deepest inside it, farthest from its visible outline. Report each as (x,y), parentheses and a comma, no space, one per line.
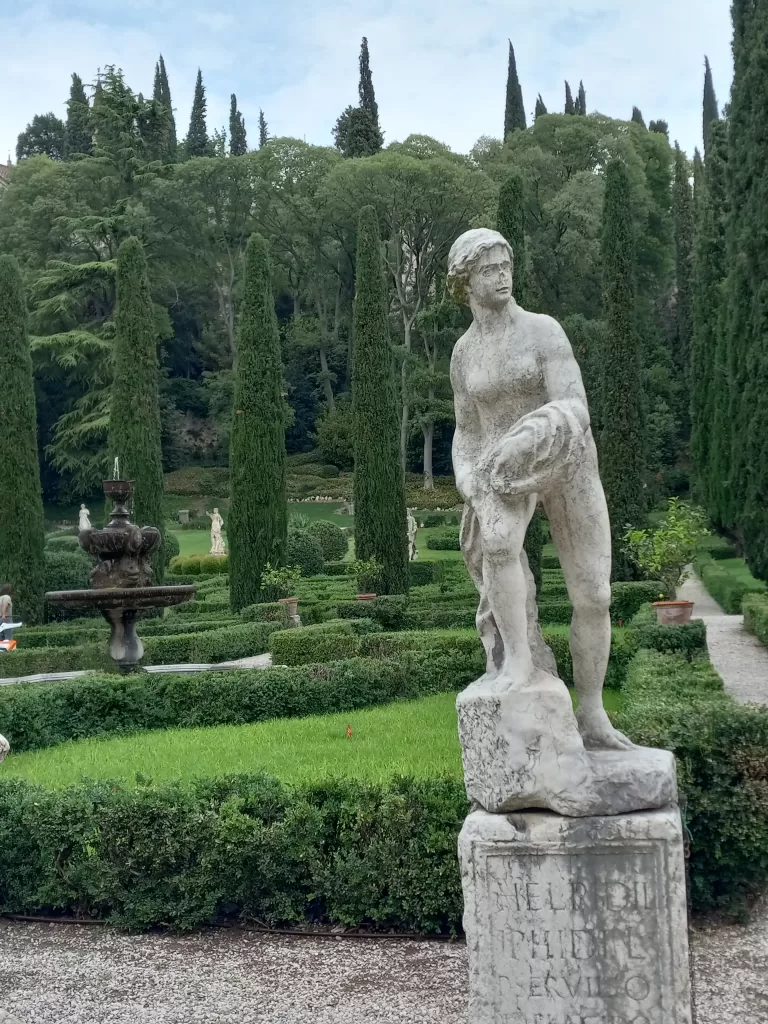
(121,583)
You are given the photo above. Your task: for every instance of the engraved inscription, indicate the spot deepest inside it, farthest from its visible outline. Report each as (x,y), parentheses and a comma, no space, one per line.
(576,939)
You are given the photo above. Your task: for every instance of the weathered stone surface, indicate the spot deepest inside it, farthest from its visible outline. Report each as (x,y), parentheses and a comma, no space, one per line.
(576,921)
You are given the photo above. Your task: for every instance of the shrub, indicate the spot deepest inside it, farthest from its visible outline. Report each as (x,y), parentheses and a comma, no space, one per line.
(277,583)
(449,541)
(314,644)
(433,520)
(333,540)
(335,435)
(199,565)
(628,598)
(67,570)
(62,542)
(755,607)
(267,612)
(422,573)
(664,553)
(304,550)
(170,547)
(337,568)
(550,562)
(369,575)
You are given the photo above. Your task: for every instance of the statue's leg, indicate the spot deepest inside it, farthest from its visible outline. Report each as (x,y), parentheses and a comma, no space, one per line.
(578,521)
(503,522)
(472,550)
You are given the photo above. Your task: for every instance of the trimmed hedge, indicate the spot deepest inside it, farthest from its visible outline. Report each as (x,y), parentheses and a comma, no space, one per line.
(755,608)
(448,541)
(199,565)
(724,586)
(628,598)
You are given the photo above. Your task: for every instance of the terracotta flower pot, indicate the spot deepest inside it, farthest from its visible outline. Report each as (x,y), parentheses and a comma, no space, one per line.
(673,613)
(365,597)
(291,604)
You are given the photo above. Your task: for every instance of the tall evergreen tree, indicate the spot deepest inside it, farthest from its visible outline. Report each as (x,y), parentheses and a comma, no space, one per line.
(365,86)
(78,137)
(258,519)
(570,106)
(711,111)
(661,127)
(510,221)
(622,448)
(698,175)
(22,540)
(380,521)
(541,107)
(683,214)
(162,94)
(710,429)
(355,133)
(263,133)
(134,418)
(238,144)
(637,116)
(514,111)
(581,103)
(197,136)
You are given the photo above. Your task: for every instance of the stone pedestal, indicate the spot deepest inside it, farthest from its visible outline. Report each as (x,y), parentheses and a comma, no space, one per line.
(576,921)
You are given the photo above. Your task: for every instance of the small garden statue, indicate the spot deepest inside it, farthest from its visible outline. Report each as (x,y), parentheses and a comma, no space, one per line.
(217,541)
(84,519)
(413,527)
(5,748)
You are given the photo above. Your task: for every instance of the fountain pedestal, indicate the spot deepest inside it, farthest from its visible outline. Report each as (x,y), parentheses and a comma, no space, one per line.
(122,579)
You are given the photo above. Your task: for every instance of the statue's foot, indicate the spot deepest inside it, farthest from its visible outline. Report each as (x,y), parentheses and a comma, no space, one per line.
(598,733)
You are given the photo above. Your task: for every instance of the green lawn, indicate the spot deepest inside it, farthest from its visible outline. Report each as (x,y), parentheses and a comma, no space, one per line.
(417,738)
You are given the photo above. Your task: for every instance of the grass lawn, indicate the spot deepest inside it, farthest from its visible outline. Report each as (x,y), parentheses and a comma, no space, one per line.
(417,738)
(738,569)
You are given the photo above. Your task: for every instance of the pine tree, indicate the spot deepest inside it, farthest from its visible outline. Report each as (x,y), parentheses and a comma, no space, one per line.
(514,111)
(710,433)
(541,107)
(711,111)
(162,94)
(622,448)
(683,214)
(365,87)
(581,103)
(238,145)
(78,138)
(197,136)
(22,540)
(258,518)
(380,522)
(570,106)
(134,419)
(637,116)
(263,133)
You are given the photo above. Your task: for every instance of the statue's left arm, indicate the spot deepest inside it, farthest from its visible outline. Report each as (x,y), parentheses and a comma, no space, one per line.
(565,386)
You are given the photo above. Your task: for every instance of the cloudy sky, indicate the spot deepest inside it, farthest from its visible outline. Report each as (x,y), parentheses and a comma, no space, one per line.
(439,66)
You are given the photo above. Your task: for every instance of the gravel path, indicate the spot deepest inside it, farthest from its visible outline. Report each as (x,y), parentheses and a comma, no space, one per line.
(740,658)
(62,974)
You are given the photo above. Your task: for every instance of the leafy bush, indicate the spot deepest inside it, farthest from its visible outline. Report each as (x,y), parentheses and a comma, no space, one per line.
(67,570)
(304,550)
(267,612)
(665,553)
(755,607)
(337,568)
(62,542)
(422,573)
(199,565)
(314,644)
(333,540)
(433,520)
(335,435)
(448,541)
(279,582)
(628,598)
(170,547)
(369,575)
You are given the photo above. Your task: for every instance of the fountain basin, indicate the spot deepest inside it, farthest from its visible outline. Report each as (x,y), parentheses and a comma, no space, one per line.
(123,597)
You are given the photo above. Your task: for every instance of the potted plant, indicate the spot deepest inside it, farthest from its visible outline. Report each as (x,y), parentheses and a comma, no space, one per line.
(665,554)
(279,584)
(369,575)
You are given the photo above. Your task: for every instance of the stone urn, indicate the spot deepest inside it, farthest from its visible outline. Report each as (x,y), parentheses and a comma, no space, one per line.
(291,605)
(673,613)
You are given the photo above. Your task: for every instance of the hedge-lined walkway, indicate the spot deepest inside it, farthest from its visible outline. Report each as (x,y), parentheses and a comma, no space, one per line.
(739,658)
(60,974)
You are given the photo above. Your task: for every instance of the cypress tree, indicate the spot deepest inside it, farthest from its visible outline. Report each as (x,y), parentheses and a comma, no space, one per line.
(258,516)
(162,94)
(78,138)
(661,127)
(581,103)
(622,448)
(541,107)
(134,419)
(570,106)
(710,433)
(380,521)
(698,176)
(22,540)
(365,87)
(637,116)
(238,145)
(711,111)
(197,136)
(263,133)
(514,110)
(683,214)
(510,221)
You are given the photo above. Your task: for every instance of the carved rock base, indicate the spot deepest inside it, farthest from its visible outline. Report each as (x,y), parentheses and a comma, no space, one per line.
(522,749)
(576,921)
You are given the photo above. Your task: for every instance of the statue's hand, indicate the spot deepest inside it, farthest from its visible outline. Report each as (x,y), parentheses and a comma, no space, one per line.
(525,455)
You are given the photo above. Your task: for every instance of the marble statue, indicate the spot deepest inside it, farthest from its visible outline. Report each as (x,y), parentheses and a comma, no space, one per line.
(413,528)
(84,519)
(217,541)
(5,748)
(522,436)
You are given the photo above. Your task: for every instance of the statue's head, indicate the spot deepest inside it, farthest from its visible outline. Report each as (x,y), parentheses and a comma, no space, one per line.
(215,511)
(480,267)
(83,505)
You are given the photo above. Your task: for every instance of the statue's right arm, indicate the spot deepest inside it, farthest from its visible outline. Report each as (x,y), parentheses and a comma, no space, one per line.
(466,435)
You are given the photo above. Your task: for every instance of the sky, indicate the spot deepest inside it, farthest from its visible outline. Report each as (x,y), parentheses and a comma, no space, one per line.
(439,66)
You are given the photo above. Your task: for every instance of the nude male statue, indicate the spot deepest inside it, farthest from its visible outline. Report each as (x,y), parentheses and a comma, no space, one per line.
(522,436)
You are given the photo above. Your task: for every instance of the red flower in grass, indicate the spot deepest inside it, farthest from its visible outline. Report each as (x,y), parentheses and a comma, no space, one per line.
(349,732)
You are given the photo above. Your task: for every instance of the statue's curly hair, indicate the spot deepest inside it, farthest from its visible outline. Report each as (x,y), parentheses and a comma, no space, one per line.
(464,254)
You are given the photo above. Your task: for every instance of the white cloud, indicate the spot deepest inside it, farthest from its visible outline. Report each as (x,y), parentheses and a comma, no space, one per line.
(439,66)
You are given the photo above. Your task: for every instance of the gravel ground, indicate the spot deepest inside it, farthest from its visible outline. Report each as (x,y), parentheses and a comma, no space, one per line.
(739,657)
(63,974)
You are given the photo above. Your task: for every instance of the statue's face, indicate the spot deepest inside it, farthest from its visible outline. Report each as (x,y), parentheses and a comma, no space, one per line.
(490,283)
(215,511)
